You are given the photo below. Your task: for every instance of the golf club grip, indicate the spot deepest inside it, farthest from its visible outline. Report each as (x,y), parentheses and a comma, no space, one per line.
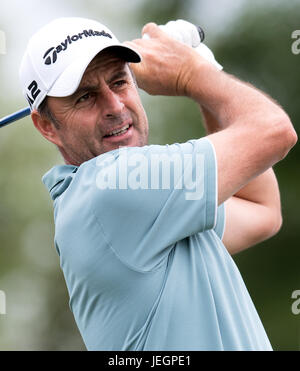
(199,29)
(201,33)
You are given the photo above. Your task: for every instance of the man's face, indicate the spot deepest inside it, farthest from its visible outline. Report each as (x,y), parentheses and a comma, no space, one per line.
(103,114)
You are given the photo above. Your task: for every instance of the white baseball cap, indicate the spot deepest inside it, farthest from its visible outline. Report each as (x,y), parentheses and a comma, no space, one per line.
(59,53)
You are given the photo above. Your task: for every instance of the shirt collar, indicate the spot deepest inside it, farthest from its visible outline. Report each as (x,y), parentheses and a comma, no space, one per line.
(58,179)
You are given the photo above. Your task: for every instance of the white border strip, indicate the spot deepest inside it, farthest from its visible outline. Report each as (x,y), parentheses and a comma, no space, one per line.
(216,177)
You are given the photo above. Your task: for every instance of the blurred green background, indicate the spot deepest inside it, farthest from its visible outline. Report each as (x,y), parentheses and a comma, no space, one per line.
(252,40)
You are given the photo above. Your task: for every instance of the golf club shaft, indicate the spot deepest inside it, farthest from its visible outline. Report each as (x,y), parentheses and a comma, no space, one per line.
(14,117)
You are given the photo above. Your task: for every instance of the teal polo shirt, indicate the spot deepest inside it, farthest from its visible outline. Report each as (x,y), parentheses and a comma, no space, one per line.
(139,236)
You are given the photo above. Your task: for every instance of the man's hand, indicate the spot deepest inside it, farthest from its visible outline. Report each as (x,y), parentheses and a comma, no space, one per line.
(167,65)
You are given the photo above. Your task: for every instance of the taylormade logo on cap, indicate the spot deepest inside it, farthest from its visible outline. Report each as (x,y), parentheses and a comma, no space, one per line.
(49,59)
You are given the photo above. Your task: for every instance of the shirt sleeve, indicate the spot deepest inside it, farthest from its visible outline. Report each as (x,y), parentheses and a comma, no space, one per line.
(147,198)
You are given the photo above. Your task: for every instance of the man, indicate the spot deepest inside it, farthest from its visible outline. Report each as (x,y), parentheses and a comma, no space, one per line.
(142,252)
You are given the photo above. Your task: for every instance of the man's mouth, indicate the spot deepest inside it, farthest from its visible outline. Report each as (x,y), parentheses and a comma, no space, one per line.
(118,132)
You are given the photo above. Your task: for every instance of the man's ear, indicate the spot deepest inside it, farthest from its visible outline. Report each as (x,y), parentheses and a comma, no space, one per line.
(45,127)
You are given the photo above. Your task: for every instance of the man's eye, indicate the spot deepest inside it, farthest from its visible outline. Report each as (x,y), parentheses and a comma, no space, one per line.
(120,83)
(84,98)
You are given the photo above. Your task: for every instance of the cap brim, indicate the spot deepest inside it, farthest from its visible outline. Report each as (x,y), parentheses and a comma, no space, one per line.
(68,82)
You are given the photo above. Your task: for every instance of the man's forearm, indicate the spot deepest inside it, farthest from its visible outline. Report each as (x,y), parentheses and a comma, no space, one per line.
(229,101)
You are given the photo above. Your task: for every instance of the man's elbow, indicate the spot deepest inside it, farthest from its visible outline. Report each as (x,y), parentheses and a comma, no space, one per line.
(273,225)
(277,224)
(287,135)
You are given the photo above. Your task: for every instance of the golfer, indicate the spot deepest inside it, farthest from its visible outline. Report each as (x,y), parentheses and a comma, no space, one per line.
(145,232)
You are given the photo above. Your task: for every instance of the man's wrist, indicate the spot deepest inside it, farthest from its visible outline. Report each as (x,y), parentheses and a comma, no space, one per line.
(198,79)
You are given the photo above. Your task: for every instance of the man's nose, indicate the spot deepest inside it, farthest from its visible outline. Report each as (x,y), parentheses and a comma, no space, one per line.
(111,104)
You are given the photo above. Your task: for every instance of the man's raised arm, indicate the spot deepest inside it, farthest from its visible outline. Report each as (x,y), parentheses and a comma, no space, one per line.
(255,134)
(253,214)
